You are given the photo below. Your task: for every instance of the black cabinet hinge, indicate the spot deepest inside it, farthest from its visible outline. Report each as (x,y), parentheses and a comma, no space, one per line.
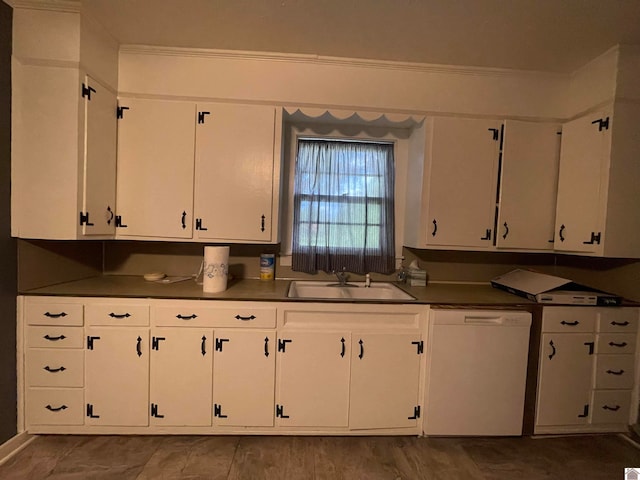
(603,123)
(220,343)
(201,116)
(87,90)
(585,412)
(155,342)
(199,225)
(595,238)
(154,411)
(90,341)
(120,112)
(119,223)
(282,344)
(280,411)
(217,411)
(416,413)
(419,346)
(90,411)
(84,219)
(495,132)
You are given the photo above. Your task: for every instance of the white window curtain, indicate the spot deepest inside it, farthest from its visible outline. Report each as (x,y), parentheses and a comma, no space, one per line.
(343,214)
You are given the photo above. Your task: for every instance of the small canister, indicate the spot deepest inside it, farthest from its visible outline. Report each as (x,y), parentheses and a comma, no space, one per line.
(267,266)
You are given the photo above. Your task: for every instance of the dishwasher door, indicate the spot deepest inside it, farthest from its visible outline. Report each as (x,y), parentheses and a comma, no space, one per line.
(476,372)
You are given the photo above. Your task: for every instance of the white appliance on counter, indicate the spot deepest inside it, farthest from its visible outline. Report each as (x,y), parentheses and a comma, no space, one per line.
(476,372)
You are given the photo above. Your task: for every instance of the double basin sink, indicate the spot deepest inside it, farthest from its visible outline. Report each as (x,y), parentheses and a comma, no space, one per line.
(356,291)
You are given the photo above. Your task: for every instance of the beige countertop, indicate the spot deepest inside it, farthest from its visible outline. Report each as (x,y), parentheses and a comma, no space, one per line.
(446,294)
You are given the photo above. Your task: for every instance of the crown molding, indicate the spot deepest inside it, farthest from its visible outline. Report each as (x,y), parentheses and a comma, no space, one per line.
(67,6)
(338,61)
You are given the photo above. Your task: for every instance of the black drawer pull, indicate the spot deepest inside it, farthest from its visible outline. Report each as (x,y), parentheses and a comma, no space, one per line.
(245,319)
(54,339)
(119,316)
(619,345)
(56,409)
(55,315)
(186,317)
(620,324)
(613,409)
(54,370)
(615,372)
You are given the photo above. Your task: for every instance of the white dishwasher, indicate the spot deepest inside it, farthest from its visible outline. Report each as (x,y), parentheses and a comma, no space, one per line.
(476,372)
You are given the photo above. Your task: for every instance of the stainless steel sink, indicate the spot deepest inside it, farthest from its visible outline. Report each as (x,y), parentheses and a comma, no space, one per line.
(355,291)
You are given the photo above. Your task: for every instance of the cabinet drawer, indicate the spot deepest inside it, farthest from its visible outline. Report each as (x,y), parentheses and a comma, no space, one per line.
(115,314)
(618,320)
(55,337)
(51,313)
(54,368)
(614,371)
(55,406)
(196,315)
(619,343)
(611,406)
(569,319)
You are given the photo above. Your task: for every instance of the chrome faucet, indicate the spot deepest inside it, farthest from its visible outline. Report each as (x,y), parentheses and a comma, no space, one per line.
(342,276)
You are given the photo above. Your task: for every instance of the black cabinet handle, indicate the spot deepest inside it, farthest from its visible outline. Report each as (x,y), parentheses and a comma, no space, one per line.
(139,346)
(615,372)
(54,339)
(619,345)
(613,409)
(553,350)
(245,319)
(506,231)
(361,354)
(119,316)
(56,409)
(262,218)
(110,215)
(620,324)
(560,233)
(186,317)
(203,346)
(183,220)
(570,324)
(55,315)
(342,348)
(54,370)
(435,228)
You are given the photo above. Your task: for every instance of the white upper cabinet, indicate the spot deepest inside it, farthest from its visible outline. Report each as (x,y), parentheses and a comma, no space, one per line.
(458,193)
(236,176)
(599,184)
(63,127)
(528,185)
(155,168)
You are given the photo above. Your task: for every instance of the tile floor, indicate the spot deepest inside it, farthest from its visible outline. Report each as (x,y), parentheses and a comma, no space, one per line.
(63,457)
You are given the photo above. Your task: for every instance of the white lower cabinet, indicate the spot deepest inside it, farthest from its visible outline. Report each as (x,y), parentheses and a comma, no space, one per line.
(244,377)
(117,376)
(385,375)
(181,376)
(313,378)
(586,369)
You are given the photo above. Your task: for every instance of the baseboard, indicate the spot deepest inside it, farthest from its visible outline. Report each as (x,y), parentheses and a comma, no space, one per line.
(14,445)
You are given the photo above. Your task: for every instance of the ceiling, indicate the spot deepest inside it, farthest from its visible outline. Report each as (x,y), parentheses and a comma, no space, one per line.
(546,35)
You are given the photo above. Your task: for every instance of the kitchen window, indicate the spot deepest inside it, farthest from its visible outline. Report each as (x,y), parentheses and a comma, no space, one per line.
(343,206)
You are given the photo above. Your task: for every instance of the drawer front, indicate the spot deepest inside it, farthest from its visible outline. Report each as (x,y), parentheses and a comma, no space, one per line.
(195,315)
(54,368)
(611,406)
(117,314)
(614,372)
(54,406)
(569,319)
(51,313)
(620,343)
(618,320)
(55,337)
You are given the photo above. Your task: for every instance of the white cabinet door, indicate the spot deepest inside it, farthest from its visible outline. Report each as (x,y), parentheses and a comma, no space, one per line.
(181,369)
(565,378)
(155,168)
(117,376)
(384,380)
(244,377)
(313,379)
(464,156)
(583,158)
(528,187)
(234,172)
(97,216)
